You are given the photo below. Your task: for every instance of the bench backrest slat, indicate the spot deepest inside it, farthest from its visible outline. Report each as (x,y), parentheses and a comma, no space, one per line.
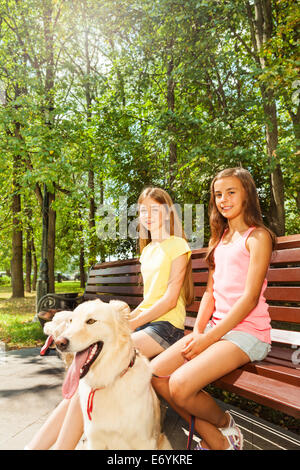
(132,301)
(114,280)
(111,270)
(137,290)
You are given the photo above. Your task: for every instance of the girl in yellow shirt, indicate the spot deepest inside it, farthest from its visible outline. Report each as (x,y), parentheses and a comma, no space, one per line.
(167,274)
(157,322)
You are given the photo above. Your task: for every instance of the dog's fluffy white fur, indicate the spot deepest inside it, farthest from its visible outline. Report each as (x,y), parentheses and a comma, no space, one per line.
(126,411)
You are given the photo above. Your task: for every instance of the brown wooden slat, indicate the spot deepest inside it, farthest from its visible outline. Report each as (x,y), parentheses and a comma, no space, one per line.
(270,392)
(129,290)
(199,264)
(194,307)
(284,294)
(282,353)
(132,301)
(284,275)
(288,241)
(274,371)
(286,256)
(200,277)
(100,279)
(114,280)
(286,314)
(280,362)
(119,262)
(199,291)
(132,268)
(200,253)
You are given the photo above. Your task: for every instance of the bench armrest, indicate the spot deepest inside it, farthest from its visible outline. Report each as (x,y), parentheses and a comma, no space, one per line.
(67,301)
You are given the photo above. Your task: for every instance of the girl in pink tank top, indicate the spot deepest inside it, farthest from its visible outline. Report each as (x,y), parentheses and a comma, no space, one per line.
(233,322)
(229,280)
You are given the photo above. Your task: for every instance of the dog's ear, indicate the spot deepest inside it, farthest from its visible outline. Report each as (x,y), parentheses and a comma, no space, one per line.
(59,319)
(122,329)
(47,329)
(121,307)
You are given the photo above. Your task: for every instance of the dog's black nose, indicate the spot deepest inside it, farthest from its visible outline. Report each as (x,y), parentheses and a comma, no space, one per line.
(62,343)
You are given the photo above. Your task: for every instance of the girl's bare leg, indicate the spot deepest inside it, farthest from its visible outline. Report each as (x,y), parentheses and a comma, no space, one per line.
(146,344)
(72,426)
(184,388)
(48,433)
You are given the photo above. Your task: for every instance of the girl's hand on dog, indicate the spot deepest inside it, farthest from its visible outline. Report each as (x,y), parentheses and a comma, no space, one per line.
(133,324)
(133,314)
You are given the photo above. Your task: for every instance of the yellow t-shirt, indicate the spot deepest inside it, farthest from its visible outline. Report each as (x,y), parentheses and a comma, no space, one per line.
(156,260)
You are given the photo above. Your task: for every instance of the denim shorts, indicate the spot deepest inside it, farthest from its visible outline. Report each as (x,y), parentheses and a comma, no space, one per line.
(255,349)
(163,332)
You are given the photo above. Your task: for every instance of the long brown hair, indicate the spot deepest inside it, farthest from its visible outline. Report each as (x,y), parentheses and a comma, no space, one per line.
(252,210)
(175,228)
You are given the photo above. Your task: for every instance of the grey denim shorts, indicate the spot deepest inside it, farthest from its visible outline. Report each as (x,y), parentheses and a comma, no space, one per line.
(256,349)
(163,332)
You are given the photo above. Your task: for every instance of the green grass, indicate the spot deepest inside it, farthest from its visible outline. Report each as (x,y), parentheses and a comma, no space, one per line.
(16,327)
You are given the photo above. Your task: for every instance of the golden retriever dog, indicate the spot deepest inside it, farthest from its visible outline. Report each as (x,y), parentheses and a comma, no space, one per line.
(119,405)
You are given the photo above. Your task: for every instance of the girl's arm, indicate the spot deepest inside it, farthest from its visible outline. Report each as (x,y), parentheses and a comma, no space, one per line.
(260,247)
(169,300)
(207,305)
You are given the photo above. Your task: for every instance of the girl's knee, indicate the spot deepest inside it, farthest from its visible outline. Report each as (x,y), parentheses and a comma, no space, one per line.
(178,390)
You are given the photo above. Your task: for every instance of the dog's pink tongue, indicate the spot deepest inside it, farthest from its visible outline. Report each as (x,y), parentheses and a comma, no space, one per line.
(71,382)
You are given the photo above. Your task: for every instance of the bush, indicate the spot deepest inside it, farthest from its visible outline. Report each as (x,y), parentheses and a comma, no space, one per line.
(5,281)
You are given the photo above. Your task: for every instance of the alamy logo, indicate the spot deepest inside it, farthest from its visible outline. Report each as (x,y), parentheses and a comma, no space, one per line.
(123,221)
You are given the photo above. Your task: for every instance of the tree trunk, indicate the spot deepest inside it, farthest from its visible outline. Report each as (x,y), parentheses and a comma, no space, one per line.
(17,234)
(261,25)
(171,127)
(91,176)
(276,213)
(81,259)
(28,260)
(49,107)
(34,265)
(51,244)
(92,223)
(29,251)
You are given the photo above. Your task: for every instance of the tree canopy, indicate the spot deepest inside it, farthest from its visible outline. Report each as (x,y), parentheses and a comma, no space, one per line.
(100,99)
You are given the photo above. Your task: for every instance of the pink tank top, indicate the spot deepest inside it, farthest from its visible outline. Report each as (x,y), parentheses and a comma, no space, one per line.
(231,268)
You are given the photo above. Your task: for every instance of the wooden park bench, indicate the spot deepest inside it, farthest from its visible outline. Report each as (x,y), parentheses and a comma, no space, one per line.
(273,382)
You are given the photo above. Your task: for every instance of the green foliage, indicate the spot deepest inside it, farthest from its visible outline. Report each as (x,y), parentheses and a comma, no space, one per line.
(100,99)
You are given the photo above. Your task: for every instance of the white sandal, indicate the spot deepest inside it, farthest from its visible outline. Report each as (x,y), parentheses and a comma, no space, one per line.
(232,434)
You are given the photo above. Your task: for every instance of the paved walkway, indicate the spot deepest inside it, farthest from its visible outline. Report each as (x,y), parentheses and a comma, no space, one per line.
(30,388)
